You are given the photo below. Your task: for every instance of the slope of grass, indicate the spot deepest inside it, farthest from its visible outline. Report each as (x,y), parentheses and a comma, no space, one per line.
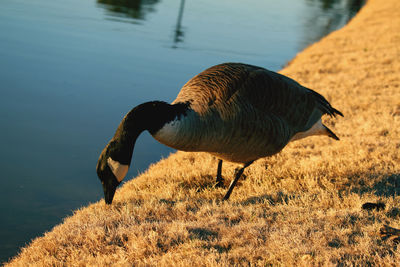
(302,206)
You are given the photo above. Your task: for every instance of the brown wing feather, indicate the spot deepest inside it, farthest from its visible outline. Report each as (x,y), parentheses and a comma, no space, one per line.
(262,107)
(268,92)
(213,86)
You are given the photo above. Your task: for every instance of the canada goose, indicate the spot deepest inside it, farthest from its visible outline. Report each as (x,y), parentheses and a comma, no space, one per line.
(237,112)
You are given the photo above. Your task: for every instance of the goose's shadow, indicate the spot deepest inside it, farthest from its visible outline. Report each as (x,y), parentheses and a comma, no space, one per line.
(272,199)
(386,185)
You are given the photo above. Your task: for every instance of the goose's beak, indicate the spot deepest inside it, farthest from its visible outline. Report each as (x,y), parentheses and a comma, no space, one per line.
(109,191)
(107,178)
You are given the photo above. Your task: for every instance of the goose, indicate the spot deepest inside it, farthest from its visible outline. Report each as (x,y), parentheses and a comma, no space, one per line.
(234,111)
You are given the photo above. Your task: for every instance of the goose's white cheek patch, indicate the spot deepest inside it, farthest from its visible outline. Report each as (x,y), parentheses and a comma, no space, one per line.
(119,170)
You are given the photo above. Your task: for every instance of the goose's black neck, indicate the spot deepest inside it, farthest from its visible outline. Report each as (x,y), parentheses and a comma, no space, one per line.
(150,116)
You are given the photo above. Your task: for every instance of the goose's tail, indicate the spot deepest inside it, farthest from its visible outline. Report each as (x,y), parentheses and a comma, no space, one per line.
(330,133)
(325,107)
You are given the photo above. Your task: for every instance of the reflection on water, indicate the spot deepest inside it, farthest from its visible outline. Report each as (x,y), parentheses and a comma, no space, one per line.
(179,33)
(65,86)
(322,16)
(326,16)
(136,9)
(350,5)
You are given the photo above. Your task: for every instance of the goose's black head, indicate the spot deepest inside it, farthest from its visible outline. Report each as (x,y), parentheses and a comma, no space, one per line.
(106,176)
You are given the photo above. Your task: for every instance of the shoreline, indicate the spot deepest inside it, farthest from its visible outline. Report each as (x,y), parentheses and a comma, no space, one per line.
(302,205)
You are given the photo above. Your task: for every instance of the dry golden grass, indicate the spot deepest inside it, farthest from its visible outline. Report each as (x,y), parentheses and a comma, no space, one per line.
(302,206)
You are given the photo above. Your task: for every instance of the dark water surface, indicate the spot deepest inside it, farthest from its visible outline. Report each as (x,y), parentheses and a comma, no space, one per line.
(70,70)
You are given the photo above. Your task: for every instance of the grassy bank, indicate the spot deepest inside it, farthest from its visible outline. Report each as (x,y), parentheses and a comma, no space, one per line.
(302,206)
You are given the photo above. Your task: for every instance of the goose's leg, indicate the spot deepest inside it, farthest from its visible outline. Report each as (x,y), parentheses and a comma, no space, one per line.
(238,173)
(219,180)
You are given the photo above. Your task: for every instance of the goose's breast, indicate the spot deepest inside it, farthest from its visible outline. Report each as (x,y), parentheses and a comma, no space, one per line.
(239,139)
(195,133)
(187,133)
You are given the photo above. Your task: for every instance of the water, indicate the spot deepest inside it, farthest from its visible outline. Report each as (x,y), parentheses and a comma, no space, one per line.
(70,70)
